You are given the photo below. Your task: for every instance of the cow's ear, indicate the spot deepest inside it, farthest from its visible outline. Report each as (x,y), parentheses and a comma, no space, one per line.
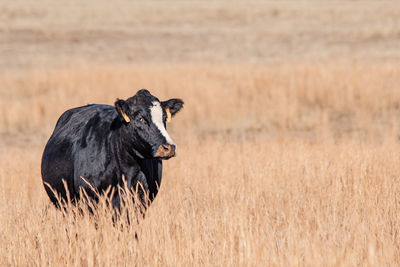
(172,107)
(122,108)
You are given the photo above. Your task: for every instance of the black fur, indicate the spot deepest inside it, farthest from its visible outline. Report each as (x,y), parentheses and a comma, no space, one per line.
(174,105)
(96,143)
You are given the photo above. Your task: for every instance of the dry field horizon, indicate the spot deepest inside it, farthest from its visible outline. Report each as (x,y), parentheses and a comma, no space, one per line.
(289,140)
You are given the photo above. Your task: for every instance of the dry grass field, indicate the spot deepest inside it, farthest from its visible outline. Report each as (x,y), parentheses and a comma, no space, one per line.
(289,141)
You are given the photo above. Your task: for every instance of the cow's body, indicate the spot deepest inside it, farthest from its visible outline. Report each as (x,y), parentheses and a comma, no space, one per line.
(91,145)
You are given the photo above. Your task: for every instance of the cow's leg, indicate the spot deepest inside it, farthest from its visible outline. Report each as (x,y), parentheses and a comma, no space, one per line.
(116,200)
(142,189)
(136,182)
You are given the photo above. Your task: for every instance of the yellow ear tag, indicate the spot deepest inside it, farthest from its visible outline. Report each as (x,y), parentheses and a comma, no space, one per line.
(168,114)
(126,118)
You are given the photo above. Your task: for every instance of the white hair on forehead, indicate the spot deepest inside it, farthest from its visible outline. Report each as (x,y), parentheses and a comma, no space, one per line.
(157,118)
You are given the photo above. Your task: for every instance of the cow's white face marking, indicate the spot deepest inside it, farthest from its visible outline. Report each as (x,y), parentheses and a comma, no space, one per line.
(157,118)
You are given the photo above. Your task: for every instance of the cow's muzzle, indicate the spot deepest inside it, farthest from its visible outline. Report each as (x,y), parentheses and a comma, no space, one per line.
(165,151)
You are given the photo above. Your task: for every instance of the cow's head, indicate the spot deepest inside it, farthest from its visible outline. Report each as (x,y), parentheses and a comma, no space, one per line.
(145,118)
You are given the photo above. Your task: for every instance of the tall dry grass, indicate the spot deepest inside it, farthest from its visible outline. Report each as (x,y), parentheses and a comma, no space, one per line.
(283,165)
(303,98)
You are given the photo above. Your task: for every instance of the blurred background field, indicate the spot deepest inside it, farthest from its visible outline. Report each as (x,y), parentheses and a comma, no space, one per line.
(288,141)
(45,33)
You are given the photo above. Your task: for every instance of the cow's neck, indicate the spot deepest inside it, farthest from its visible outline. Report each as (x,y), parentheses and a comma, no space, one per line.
(125,147)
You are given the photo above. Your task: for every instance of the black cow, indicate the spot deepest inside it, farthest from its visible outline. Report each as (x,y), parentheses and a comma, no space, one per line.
(97,145)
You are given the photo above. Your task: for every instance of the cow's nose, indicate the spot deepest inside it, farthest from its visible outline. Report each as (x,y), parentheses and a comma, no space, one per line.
(173,150)
(169,148)
(166,151)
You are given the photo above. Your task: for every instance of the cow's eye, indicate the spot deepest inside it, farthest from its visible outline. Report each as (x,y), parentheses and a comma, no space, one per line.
(141,119)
